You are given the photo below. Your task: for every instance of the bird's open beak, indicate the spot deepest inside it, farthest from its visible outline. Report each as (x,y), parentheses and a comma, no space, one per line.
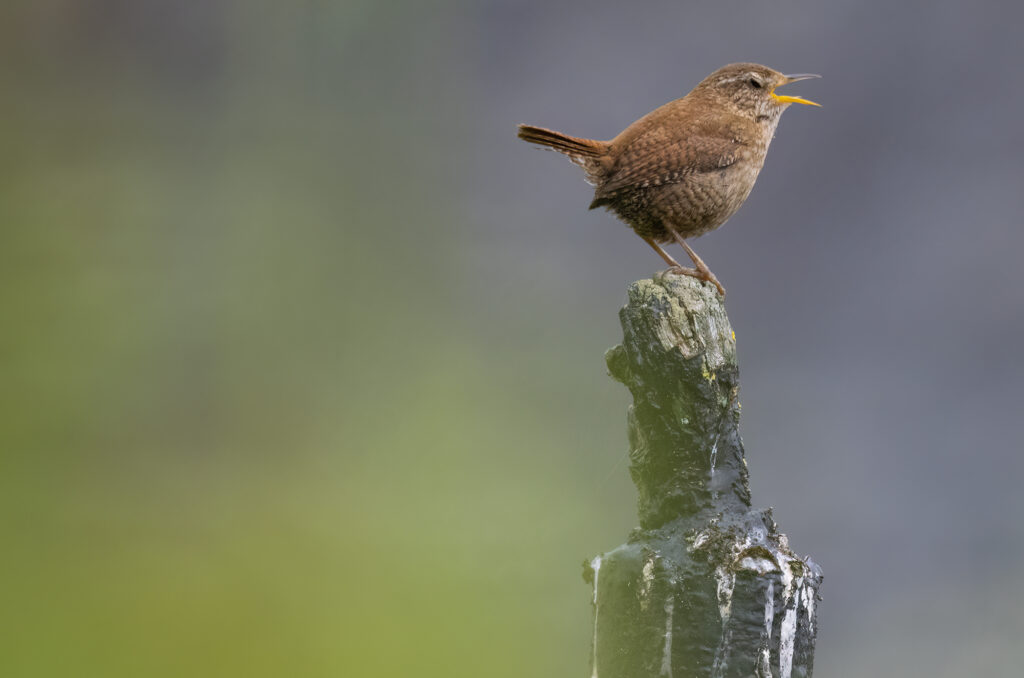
(784,99)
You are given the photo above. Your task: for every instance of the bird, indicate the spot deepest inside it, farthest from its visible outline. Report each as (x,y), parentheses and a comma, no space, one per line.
(683,169)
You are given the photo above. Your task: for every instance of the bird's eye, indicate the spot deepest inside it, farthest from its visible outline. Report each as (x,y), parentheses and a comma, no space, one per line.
(755,83)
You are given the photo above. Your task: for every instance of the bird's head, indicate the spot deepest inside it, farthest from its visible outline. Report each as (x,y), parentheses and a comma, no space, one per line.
(748,90)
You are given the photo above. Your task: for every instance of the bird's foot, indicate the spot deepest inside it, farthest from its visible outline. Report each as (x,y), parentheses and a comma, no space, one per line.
(704,274)
(659,276)
(680,270)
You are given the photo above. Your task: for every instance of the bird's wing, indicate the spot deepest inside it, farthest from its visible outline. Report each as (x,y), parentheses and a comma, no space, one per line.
(653,159)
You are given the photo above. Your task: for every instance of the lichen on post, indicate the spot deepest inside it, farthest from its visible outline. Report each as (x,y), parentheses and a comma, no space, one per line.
(705,586)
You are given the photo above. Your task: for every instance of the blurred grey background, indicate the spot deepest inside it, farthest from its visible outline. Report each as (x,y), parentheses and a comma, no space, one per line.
(302,351)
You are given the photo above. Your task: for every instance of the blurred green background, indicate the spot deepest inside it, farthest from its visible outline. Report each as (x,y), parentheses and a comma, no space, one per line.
(250,424)
(301,365)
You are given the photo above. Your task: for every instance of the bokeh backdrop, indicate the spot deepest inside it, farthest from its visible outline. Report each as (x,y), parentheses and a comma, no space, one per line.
(301,349)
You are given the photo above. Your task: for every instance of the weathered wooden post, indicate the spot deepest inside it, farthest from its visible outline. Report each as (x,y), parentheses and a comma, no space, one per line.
(705,586)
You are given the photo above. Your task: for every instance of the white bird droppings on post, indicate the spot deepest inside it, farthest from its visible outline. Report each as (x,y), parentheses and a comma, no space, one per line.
(666,655)
(787,636)
(646,582)
(807,596)
(726,582)
(595,564)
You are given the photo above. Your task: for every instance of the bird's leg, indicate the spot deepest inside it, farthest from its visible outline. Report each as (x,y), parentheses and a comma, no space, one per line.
(702,272)
(672,263)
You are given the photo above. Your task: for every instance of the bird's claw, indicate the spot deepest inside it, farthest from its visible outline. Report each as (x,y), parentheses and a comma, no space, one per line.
(705,275)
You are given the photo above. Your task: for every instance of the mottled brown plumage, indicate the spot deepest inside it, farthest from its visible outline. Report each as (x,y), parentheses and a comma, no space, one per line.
(685,168)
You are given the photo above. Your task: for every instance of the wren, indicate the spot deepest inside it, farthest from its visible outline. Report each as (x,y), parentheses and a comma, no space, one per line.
(684,168)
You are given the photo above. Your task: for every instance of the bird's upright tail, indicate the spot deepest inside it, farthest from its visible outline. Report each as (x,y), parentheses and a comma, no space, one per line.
(563,143)
(584,152)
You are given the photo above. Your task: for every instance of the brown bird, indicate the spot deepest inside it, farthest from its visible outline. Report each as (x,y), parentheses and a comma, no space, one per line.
(685,168)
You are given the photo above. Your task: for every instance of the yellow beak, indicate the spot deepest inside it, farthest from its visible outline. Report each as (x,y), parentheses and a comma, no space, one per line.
(784,99)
